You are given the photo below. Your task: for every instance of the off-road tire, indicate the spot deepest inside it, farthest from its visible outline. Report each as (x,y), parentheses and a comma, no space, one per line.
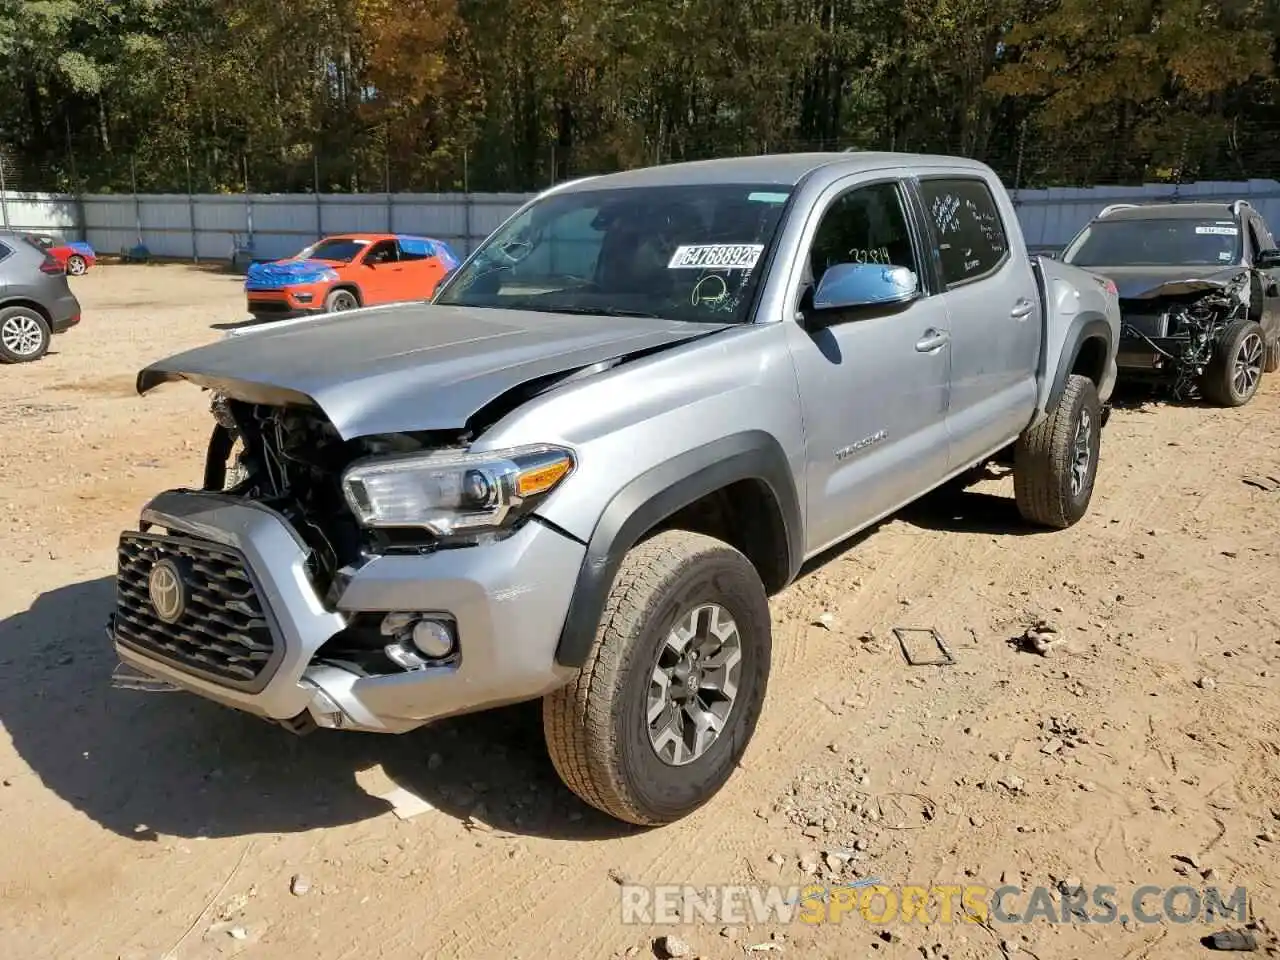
(1273,357)
(77,265)
(1045,455)
(30,321)
(596,727)
(340,300)
(1218,384)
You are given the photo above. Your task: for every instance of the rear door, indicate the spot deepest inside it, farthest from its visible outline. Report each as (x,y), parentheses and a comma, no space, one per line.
(996,313)
(423,269)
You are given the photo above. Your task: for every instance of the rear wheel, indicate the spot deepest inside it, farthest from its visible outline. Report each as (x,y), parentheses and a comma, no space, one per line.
(1235,372)
(24,335)
(76,265)
(1056,461)
(340,300)
(1273,357)
(674,683)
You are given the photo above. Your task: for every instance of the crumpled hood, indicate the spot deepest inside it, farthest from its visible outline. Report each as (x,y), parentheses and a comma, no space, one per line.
(279,273)
(413,366)
(1146,283)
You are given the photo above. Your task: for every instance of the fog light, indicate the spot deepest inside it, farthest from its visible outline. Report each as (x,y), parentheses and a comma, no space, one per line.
(433,638)
(418,638)
(303,297)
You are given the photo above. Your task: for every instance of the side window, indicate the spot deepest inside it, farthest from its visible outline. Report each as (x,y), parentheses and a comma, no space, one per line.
(966,221)
(4,251)
(413,251)
(384,251)
(866,225)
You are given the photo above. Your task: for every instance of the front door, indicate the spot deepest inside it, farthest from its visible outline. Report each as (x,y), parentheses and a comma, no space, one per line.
(996,315)
(381,273)
(873,382)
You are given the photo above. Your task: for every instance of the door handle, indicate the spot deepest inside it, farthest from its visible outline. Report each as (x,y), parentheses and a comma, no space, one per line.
(1022,309)
(932,340)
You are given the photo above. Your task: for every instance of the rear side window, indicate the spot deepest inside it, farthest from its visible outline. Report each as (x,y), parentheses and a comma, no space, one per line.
(971,238)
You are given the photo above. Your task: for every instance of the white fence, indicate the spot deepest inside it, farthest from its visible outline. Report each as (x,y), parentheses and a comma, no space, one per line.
(209,227)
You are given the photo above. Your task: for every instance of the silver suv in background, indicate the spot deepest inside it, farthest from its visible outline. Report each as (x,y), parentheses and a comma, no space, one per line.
(35,300)
(578,474)
(1199,291)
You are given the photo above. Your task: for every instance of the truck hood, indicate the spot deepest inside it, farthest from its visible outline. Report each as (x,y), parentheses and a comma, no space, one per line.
(1147,283)
(413,366)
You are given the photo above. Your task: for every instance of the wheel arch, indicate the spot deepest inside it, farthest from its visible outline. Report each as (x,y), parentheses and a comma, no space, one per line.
(351,287)
(29,304)
(739,488)
(1086,348)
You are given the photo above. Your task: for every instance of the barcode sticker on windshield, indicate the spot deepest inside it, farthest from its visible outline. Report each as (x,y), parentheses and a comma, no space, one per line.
(711,256)
(1218,231)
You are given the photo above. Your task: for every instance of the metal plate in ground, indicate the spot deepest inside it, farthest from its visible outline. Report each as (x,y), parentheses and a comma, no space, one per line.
(923,647)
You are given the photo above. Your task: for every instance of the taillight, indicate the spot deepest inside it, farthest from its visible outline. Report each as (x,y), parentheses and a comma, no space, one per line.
(51,266)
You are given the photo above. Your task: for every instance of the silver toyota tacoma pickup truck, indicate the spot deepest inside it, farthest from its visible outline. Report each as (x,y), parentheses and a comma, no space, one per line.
(579,472)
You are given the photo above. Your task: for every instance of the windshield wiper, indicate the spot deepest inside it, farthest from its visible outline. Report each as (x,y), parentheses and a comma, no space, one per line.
(600,312)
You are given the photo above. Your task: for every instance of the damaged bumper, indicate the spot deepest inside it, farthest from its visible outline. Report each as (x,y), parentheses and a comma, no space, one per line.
(232,616)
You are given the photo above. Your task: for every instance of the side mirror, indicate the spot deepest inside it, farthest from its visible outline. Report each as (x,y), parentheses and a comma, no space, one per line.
(1268,259)
(846,285)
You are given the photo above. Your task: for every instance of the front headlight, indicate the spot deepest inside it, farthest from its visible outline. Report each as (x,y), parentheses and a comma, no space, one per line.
(452,493)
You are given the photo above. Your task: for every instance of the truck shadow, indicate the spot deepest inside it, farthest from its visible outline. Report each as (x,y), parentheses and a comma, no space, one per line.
(953,508)
(145,765)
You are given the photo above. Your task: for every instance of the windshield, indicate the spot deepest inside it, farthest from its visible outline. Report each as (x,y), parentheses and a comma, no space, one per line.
(339,250)
(691,252)
(1156,243)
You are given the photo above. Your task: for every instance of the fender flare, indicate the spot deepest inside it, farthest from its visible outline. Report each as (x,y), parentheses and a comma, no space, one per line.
(1086,326)
(657,494)
(350,285)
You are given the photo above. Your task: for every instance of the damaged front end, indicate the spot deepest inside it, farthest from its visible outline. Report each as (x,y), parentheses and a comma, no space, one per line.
(1172,330)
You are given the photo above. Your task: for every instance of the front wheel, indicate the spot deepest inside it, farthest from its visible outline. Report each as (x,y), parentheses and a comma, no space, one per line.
(1235,372)
(340,300)
(24,335)
(76,265)
(668,699)
(1056,461)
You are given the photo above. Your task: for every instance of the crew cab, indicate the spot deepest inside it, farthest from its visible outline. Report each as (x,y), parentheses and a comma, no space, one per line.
(344,272)
(581,470)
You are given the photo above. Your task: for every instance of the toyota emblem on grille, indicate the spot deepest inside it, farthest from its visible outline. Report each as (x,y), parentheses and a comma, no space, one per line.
(168,591)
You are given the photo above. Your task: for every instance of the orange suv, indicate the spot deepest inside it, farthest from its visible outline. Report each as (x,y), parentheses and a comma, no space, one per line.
(348,271)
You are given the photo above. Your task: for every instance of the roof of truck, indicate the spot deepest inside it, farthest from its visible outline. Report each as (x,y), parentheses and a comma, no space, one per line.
(783,169)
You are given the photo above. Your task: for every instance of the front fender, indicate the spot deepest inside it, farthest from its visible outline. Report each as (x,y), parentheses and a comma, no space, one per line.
(657,494)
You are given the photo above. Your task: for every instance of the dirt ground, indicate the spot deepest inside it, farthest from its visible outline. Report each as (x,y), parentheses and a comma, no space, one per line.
(1147,753)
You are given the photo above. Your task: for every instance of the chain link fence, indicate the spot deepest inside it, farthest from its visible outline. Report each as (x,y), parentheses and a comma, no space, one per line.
(265,205)
(1026,157)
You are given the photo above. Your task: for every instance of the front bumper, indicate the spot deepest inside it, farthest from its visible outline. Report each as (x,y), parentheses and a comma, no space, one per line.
(508,600)
(287,303)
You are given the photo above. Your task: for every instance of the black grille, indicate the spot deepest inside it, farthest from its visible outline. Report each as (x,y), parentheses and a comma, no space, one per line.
(222,634)
(1147,320)
(269,306)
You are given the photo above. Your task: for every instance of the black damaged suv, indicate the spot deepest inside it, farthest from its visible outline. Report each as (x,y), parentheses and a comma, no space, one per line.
(1199,291)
